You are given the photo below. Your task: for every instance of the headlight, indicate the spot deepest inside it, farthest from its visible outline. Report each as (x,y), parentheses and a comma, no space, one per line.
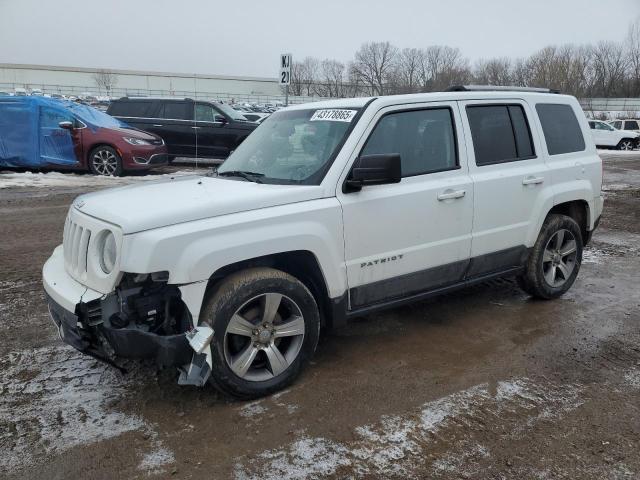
(107,252)
(135,141)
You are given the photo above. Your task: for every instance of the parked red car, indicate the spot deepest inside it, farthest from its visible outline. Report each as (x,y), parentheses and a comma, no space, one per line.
(40,132)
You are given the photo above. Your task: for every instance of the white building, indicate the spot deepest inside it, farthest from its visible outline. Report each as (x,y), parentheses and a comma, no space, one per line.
(72,80)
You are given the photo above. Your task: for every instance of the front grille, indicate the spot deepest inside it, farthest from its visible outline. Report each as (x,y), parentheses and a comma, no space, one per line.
(75,241)
(159,159)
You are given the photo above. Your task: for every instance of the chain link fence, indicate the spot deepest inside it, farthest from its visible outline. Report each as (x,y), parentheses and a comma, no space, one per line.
(132,92)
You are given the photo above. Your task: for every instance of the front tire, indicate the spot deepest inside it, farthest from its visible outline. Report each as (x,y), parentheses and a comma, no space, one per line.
(266,325)
(105,161)
(555,259)
(626,144)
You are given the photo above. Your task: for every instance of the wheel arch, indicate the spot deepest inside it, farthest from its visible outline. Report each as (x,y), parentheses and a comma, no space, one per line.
(301,264)
(579,210)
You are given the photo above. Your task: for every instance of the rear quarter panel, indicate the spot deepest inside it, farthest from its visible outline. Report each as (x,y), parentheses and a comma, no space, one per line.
(576,175)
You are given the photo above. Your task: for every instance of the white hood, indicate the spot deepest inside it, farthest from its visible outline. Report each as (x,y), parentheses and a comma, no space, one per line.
(135,208)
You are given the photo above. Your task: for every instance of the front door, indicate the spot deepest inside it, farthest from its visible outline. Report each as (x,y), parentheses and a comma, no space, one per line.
(412,236)
(215,139)
(58,146)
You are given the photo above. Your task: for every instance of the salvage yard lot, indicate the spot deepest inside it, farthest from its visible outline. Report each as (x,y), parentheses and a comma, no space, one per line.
(482,383)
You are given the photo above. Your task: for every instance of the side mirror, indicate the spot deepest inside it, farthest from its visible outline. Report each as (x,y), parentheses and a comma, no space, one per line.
(220,119)
(66,125)
(374,170)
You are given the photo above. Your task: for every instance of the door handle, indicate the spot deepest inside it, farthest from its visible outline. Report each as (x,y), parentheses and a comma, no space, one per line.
(451,194)
(158,125)
(532,180)
(196,128)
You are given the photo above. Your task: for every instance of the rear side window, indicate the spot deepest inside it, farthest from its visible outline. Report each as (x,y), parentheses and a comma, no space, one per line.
(176,111)
(617,125)
(500,133)
(130,108)
(561,129)
(425,140)
(631,125)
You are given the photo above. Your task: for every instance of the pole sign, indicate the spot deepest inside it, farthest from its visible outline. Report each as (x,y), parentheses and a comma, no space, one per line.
(285,69)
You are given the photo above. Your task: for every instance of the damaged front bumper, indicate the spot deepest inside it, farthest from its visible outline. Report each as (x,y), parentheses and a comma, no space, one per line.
(131,323)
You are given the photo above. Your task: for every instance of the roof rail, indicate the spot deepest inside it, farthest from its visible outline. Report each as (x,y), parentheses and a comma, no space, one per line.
(146,97)
(498,88)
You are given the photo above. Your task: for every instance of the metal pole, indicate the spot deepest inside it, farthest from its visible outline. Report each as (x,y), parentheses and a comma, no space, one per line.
(286,96)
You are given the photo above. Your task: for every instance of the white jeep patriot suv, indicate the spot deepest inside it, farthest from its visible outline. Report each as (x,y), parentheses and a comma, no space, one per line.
(327,211)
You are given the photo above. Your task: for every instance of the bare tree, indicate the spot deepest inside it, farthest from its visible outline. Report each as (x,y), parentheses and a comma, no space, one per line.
(374,63)
(408,68)
(442,67)
(304,76)
(609,68)
(603,70)
(331,82)
(632,47)
(495,71)
(106,80)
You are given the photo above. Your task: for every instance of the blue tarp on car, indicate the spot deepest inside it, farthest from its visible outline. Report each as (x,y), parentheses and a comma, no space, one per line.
(30,135)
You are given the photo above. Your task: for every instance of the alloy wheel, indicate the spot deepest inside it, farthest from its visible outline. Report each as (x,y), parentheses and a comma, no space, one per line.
(626,145)
(264,337)
(104,162)
(559,258)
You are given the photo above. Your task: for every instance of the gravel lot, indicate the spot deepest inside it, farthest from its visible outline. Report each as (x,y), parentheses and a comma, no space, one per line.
(483,383)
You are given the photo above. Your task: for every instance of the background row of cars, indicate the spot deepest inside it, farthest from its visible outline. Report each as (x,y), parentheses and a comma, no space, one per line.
(136,133)
(139,133)
(622,134)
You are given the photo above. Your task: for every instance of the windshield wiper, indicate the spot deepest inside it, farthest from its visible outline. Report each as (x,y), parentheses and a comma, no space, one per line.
(250,176)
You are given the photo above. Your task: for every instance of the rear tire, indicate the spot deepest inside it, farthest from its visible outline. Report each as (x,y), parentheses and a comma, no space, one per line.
(266,325)
(105,161)
(555,259)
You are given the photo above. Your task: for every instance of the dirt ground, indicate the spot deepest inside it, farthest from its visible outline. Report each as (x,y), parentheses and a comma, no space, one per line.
(483,383)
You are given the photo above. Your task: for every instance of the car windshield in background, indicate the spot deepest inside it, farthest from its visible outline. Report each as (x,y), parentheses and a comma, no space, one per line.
(230,112)
(292,146)
(94,116)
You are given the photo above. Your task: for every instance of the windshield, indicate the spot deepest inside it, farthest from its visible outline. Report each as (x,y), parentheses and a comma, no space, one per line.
(230,112)
(293,146)
(93,116)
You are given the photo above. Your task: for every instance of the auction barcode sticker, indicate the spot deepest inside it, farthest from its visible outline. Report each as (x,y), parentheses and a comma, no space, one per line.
(334,115)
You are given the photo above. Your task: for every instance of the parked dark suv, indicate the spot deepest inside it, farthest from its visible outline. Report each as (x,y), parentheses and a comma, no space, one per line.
(189,128)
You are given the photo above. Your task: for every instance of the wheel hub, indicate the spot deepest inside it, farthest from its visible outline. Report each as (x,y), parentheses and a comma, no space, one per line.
(264,336)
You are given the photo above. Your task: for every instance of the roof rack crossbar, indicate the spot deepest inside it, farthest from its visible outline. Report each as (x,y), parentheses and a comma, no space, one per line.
(499,88)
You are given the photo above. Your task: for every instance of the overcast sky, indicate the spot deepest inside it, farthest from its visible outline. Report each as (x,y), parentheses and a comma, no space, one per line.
(245,37)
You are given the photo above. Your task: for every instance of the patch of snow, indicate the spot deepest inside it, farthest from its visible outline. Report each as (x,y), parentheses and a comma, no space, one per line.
(591,255)
(155,461)
(611,154)
(55,398)
(252,409)
(632,378)
(57,179)
(456,462)
(615,187)
(396,445)
(305,458)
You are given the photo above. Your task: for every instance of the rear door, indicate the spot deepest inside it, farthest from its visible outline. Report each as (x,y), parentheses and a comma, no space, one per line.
(508,174)
(412,236)
(59,146)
